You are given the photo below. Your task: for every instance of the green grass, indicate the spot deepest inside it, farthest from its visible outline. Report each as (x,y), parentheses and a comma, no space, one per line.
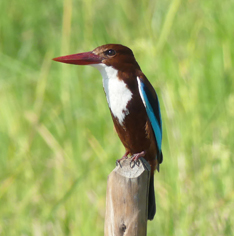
(57,143)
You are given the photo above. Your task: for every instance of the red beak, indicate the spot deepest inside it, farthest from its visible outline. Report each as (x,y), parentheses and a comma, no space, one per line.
(86,58)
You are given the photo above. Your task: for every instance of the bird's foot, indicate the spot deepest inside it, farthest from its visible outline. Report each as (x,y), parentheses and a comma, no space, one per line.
(138,155)
(125,156)
(135,159)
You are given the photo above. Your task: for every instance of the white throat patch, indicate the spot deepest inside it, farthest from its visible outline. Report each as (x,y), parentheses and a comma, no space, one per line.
(117,93)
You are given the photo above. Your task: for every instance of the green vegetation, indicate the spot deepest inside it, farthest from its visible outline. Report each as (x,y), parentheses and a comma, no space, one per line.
(57,143)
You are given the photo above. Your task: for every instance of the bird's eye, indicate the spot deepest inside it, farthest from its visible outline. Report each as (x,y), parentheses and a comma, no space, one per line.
(110,52)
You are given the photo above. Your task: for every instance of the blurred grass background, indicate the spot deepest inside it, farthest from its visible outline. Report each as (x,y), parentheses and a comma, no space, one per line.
(57,143)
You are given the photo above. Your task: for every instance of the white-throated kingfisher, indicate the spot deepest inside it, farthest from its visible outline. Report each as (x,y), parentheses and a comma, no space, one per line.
(133,104)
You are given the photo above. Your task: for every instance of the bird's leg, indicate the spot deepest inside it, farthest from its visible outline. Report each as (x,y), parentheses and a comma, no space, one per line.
(136,157)
(125,156)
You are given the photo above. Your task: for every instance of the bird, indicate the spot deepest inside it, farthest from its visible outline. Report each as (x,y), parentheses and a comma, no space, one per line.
(133,104)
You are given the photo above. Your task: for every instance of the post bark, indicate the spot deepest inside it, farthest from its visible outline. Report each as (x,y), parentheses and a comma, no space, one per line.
(127,199)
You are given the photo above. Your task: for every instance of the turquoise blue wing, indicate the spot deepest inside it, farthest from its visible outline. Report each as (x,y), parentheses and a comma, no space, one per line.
(152,107)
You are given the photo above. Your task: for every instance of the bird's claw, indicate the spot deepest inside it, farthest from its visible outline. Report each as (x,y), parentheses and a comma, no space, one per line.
(118,162)
(134,162)
(135,159)
(124,157)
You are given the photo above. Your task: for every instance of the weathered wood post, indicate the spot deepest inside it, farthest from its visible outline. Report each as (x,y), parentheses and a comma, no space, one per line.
(127,199)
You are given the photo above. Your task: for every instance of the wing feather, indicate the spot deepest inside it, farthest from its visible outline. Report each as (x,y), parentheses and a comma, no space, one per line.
(150,100)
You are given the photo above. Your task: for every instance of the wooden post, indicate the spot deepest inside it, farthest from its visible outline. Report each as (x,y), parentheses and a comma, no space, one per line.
(127,199)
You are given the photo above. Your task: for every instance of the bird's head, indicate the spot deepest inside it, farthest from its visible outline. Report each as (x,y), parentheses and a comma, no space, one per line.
(116,56)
